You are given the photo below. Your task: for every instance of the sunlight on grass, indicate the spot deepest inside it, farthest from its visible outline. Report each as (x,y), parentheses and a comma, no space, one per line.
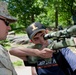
(18,63)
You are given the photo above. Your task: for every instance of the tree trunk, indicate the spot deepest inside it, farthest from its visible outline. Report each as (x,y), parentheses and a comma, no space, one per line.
(56,17)
(32,17)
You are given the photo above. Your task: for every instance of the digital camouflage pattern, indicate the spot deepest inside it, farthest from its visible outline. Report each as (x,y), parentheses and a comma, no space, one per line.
(6,67)
(4,12)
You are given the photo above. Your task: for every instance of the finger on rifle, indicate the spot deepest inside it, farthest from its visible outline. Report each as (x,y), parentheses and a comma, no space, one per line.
(50,50)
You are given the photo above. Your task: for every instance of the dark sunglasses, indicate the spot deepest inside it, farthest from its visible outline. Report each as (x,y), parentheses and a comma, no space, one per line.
(6,22)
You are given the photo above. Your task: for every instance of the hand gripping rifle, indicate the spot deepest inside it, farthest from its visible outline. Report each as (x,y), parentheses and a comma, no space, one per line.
(60,39)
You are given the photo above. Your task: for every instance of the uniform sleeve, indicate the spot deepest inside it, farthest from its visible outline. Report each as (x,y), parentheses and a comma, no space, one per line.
(70,57)
(31,45)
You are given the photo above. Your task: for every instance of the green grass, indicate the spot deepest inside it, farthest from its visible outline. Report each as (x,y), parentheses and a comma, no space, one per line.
(21,34)
(18,63)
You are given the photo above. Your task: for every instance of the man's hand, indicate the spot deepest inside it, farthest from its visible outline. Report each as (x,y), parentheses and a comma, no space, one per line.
(46,53)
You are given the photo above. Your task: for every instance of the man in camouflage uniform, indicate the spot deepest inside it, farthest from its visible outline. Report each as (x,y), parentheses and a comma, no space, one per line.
(6,67)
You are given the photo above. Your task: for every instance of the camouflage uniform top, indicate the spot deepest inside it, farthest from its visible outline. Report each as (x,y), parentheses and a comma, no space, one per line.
(6,67)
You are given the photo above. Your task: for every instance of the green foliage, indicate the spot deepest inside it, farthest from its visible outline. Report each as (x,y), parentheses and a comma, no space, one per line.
(43,19)
(25,10)
(28,11)
(18,63)
(5,43)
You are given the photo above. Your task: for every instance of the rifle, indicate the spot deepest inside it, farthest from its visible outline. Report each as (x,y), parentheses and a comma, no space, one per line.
(60,39)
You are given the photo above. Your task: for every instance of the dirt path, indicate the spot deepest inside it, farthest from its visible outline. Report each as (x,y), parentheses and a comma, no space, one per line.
(21,70)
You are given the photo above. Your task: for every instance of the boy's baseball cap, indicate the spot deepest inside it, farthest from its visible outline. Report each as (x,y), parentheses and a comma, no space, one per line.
(34,28)
(4,12)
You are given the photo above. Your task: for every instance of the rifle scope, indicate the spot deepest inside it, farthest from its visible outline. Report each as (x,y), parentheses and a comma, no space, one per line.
(68,32)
